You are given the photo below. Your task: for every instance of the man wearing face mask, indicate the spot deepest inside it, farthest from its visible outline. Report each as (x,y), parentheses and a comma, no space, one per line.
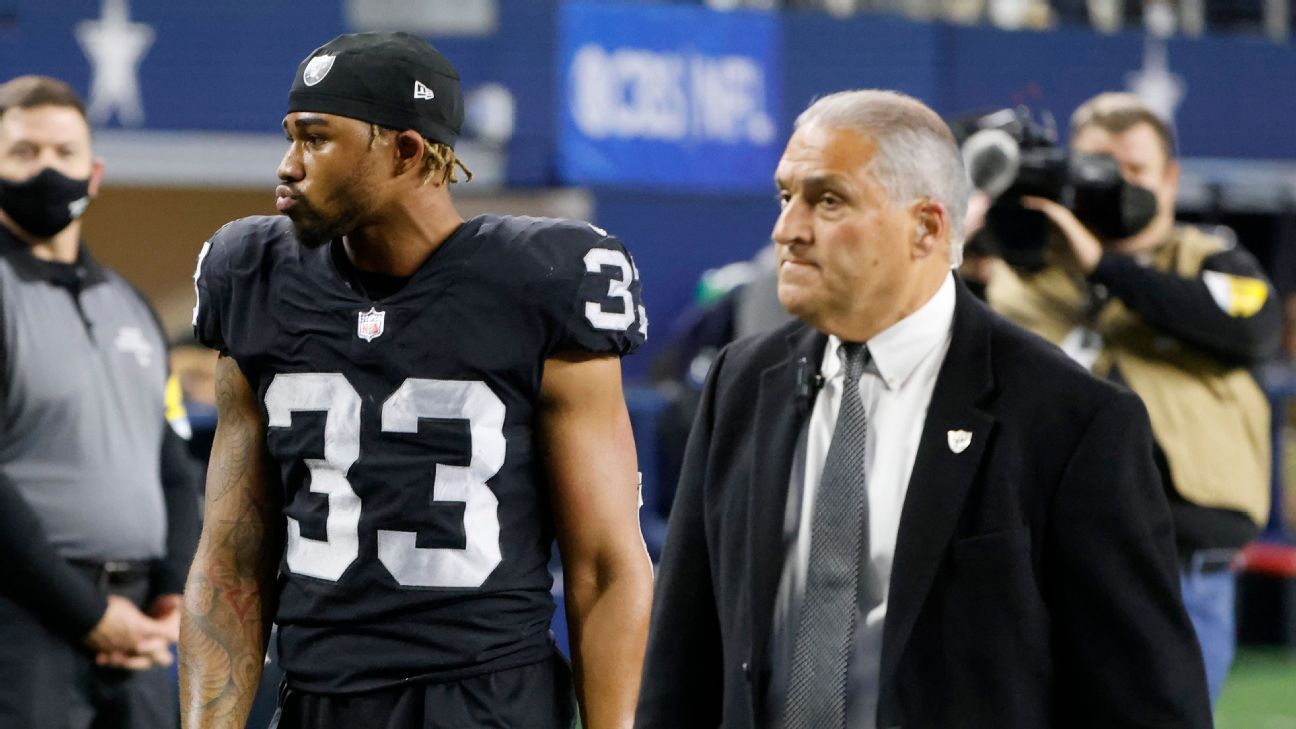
(98,506)
(1178,316)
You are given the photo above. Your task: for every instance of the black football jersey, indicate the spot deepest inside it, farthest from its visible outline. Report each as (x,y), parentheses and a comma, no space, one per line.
(417,514)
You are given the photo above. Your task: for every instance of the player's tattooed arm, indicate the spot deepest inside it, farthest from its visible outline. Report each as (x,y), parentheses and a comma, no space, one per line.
(607,575)
(229,597)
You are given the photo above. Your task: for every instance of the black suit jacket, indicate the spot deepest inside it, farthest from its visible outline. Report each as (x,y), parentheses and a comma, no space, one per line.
(1034,582)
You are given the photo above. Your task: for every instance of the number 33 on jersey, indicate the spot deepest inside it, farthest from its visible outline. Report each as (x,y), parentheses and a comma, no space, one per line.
(414,496)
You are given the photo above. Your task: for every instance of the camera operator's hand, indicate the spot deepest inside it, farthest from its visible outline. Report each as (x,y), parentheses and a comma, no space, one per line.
(1085,247)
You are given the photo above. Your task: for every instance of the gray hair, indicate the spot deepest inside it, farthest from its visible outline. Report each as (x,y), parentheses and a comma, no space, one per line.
(916,155)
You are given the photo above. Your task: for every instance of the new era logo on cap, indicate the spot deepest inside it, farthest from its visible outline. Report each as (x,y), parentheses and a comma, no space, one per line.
(422,92)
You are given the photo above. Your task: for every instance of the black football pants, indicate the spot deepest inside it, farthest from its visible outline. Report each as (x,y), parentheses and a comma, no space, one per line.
(538,696)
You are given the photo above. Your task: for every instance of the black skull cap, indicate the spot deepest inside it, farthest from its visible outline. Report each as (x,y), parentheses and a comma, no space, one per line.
(395,80)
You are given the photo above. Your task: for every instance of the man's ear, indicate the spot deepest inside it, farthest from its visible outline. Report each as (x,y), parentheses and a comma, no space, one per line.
(96,176)
(1172,171)
(931,229)
(409,149)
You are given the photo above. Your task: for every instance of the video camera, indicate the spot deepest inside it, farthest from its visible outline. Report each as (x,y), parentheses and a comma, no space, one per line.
(1008,154)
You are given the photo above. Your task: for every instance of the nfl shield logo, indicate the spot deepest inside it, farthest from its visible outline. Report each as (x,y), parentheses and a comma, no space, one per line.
(370,326)
(317,69)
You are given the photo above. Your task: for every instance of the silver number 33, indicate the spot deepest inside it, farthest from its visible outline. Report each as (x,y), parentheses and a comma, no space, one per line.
(409,564)
(618,288)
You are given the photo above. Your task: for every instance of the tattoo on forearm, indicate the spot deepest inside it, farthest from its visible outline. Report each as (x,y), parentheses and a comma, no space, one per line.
(222,639)
(231,468)
(229,596)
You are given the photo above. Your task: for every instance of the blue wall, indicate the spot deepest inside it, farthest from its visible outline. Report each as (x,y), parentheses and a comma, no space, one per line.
(824,54)
(226,67)
(645,105)
(1238,100)
(673,239)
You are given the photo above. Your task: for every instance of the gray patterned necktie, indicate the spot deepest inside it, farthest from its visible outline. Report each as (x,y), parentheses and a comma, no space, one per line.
(816,692)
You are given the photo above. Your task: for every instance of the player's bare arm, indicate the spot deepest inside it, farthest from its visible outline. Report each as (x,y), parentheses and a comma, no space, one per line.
(590,456)
(229,598)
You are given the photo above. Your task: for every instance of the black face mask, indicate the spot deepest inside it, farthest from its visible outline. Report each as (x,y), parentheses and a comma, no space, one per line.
(44,204)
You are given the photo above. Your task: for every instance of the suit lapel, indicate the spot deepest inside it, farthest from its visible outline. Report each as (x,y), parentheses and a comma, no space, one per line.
(782,407)
(943,471)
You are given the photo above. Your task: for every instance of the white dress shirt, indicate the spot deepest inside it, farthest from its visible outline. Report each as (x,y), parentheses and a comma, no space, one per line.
(896,389)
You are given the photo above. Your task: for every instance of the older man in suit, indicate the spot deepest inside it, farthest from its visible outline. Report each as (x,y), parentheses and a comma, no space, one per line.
(903,510)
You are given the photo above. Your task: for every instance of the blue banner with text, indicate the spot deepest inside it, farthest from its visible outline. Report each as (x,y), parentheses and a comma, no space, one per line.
(670,96)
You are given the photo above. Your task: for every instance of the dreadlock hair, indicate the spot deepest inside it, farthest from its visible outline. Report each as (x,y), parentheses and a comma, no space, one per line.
(438,158)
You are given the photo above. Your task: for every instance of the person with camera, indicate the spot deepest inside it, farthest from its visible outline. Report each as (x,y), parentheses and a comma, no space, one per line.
(1178,316)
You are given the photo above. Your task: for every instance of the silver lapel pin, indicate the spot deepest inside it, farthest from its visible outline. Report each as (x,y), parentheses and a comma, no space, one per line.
(959,440)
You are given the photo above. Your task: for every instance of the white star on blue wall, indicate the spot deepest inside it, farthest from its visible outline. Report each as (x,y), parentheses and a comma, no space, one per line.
(115,46)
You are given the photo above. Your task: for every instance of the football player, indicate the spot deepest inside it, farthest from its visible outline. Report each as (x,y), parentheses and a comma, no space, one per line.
(412,407)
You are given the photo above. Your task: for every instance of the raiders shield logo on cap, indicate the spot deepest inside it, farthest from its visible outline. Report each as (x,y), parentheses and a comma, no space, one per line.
(317,69)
